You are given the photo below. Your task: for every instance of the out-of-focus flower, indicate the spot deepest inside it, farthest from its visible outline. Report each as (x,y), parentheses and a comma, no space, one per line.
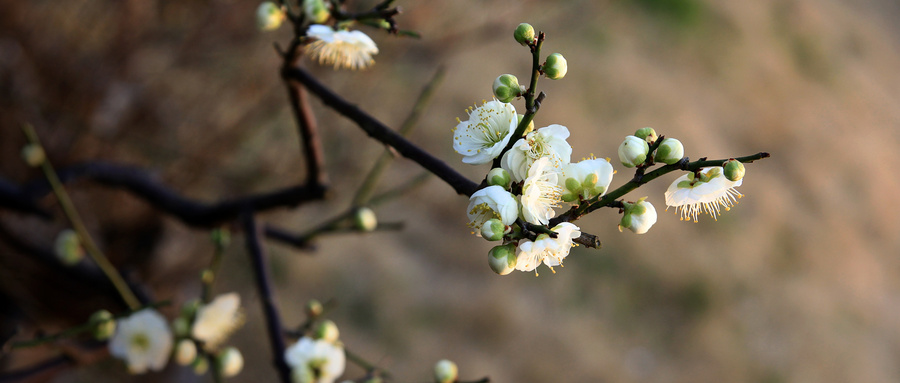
(547,250)
(316,10)
(315,361)
(445,371)
(230,362)
(217,320)
(269,16)
(342,49)
(143,341)
(709,192)
(549,141)
(483,136)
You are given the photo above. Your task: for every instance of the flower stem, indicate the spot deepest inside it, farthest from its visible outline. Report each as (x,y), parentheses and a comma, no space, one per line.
(530,105)
(75,219)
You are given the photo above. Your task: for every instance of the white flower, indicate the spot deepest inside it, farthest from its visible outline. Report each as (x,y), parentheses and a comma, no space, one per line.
(217,320)
(638,217)
(549,141)
(343,49)
(633,151)
(550,251)
(483,136)
(708,193)
(492,202)
(540,193)
(230,362)
(143,341)
(586,179)
(320,360)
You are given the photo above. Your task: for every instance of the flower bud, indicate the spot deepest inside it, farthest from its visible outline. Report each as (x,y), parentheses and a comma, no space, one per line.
(327,331)
(633,151)
(499,177)
(555,67)
(669,151)
(185,352)
(734,170)
(493,230)
(181,327)
(445,371)
(530,126)
(647,134)
(200,366)
(524,34)
(33,155)
(502,259)
(638,217)
(189,309)
(506,88)
(313,308)
(68,247)
(269,16)
(103,325)
(365,219)
(230,362)
(316,11)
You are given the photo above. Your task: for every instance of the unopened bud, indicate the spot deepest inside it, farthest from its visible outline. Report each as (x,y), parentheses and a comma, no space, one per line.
(313,308)
(638,217)
(185,352)
(633,151)
(445,371)
(181,327)
(33,155)
(189,309)
(647,134)
(316,11)
(734,170)
(506,88)
(524,34)
(230,362)
(103,325)
(68,247)
(365,219)
(269,16)
(669,151)
(499,177)
(502,259)
(200,366)
(493,230)
(327,331)
(555,67)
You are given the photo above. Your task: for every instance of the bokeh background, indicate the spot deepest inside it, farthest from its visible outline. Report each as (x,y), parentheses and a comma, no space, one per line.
(798,283)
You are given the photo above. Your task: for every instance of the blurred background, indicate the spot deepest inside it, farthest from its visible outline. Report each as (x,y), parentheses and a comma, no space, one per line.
(798,283)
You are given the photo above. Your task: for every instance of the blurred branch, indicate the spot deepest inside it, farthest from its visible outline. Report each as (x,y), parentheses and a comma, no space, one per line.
(12,197)
(25,373)
(266,294)
(382,133)
(366,365)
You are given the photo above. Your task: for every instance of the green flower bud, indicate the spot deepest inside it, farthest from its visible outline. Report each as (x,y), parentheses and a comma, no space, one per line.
(499,177)
(638,217)
(327,331)
(493,230)
(316,11)
(502,259)
(103,325)
(269,16)
(221,237)
(445,371)
(230,362)
(734,170)
(669,151)
(633,151)
(555,67)
(200,366)
(33,155)
(313,308)
(530,126)
(185,352)
(189,309)
(365,219)
(181,327)
(524,34)
(647,134)
(506,88)
(68,247)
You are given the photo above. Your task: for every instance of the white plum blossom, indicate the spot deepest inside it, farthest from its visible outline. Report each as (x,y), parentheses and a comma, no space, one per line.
(492,202)
(549,142)
(342,49)
(540,192)
(143,340)
(483,136)
(586,179)
(547,250)
(709,193)
(217,320)
(315,361)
